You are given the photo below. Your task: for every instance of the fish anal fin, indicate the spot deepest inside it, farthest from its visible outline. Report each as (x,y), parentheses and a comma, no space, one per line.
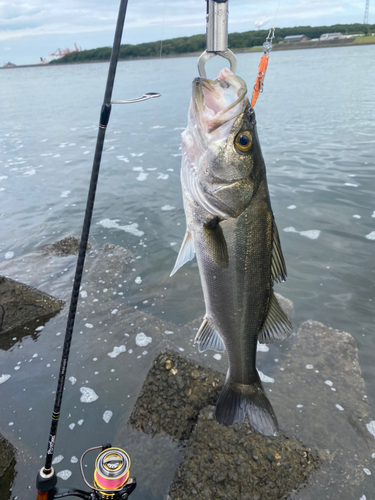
(237,402)
(215,240)
(277,325)
(186,253)
(207,338)
(278,267)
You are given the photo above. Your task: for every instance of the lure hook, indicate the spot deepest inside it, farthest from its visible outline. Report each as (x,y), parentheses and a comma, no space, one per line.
(144,97)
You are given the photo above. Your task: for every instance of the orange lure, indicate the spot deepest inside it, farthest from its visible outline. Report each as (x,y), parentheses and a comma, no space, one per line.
(267,47)
(258,87)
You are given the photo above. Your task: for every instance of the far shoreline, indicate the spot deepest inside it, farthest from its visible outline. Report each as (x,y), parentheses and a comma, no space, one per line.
(309,44)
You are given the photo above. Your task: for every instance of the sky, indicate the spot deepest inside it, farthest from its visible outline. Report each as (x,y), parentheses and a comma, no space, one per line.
(30,29)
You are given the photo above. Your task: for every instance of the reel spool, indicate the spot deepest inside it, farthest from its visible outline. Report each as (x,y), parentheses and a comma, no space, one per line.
(111,474)
(112,468)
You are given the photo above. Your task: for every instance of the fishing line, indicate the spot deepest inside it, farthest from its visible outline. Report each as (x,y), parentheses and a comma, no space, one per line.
(162,32)
(277,13)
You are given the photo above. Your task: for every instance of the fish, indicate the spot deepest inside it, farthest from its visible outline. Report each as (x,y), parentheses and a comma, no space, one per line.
(231,229)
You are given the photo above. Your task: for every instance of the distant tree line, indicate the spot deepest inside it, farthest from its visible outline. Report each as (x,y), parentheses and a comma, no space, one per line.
(197,43)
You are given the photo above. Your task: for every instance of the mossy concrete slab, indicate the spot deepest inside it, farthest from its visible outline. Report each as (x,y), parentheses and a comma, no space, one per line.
(67,246)
(173,394)
(319,396)
(238,463)
(7,464)
(20,304)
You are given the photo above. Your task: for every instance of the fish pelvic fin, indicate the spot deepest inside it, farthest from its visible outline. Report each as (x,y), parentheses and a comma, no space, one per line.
(278,266)
(186,253)
(208,338)
(237,402)
(277,326)
(216,243)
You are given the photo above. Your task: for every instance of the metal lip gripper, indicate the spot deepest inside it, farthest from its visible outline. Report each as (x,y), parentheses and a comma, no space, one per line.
(216,36)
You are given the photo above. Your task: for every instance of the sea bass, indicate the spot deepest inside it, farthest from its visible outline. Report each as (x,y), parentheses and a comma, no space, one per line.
(232,231)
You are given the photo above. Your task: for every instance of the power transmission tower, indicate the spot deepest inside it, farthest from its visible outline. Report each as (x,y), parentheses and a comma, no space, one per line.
(365,21)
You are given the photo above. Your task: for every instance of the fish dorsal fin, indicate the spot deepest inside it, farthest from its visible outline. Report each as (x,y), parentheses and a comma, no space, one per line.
(277,326)
(217,246)
(278,267)
(186,253)
(207,338)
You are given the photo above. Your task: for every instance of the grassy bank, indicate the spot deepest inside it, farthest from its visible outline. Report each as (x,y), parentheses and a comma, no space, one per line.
(246,41)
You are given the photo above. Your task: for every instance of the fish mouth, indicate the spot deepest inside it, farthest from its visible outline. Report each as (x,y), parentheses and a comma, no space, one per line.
(218,102)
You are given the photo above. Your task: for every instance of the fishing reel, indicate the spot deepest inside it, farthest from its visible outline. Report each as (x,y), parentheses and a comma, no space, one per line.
(111,478)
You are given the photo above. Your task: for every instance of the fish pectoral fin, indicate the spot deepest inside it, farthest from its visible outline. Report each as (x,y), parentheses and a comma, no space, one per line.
(277,326)
(186,253)
(207,338)
(238,401)
(216,244)
(278,267)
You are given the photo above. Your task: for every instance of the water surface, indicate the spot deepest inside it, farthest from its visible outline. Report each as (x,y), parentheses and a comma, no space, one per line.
(317,131)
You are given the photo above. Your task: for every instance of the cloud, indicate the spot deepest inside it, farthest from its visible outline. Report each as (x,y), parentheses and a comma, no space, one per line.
(7,48)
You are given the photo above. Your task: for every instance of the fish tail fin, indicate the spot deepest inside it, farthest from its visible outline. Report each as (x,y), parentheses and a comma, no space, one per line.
(238,401)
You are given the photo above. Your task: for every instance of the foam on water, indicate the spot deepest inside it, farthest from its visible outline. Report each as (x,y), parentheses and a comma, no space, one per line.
(217,356)
(73,380)
(117,351)
(88,395)
(64,194)
(107,415)
(265,378)
(64,474)
(4,378)
(57,459)
(262,347)
(131,228)
(142,176)
(312,234)
(367,471)
(74,459)
(9,255)
(142,340)
(371,236)
(167,207)
(371,428)
(163,177)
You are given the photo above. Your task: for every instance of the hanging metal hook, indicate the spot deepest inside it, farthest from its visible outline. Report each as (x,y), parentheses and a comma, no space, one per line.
(148,95)
(216,36)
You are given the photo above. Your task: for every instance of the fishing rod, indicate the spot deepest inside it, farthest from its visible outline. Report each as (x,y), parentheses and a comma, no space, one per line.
(111,476)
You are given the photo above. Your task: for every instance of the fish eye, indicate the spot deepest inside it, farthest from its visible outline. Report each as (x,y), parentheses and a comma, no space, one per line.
(243,141)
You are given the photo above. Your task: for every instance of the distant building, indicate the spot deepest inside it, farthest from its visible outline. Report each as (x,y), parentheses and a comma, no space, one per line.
(9,65)
(330,36)
(295,38)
